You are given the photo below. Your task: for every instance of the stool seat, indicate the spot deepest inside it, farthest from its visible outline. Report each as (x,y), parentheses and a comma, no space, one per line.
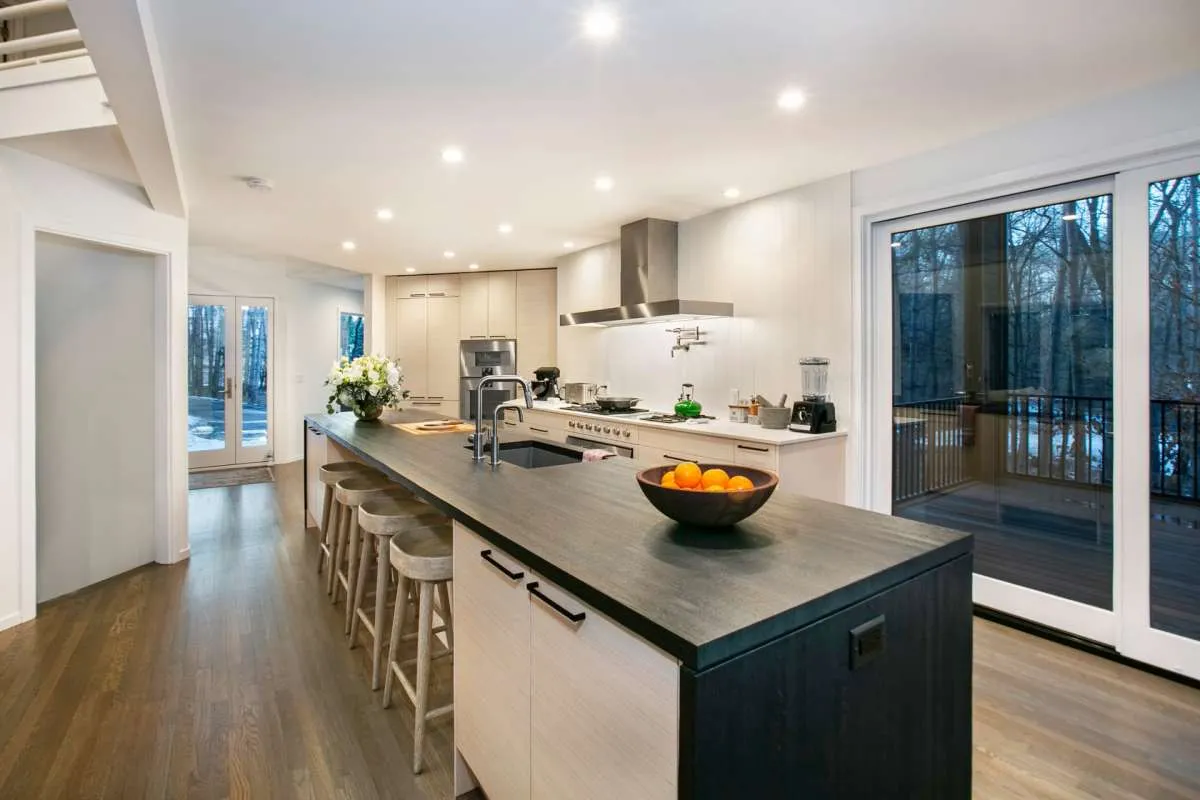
(333,472)
(424,554)
(394,513)
(355,489)
(349,493)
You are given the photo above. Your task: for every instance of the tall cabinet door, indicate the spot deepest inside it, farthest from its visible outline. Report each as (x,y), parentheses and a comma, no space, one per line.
(537,324)
(442,331)
(409,346)
(473,296)
(502,305)
(491,666)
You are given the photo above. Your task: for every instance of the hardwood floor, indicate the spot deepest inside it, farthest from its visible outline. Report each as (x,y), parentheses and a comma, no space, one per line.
(228,676)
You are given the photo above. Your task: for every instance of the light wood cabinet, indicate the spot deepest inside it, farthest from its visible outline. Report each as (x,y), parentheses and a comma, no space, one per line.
(502,305)
(447,285)
(491,668)
(315,457)
(473,296)
(442,314)
(537,320)
(399,287)
(605,707)
(409,343)
(547,707)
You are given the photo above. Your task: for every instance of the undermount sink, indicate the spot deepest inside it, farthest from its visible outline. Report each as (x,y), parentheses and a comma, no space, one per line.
(532,454)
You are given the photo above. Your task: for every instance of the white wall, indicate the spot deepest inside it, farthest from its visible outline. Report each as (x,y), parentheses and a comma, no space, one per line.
(95,323)
(306,328)
(784,263)
(37,194)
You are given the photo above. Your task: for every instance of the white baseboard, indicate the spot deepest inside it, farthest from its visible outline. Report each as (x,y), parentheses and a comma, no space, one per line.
(184,554)
(9,620)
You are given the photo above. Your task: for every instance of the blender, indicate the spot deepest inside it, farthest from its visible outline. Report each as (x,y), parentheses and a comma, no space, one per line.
(813,413)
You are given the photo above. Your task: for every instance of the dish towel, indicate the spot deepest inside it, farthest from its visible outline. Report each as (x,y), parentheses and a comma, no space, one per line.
(597,455)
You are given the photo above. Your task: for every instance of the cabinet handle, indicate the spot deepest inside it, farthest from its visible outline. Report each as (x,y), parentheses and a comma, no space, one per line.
(426,403)
(539,430)
(436,294)
(416,294)
(510,424)
(574,616)
(486,555)
(755,449)
(435,397)
(673,458)
(479,336)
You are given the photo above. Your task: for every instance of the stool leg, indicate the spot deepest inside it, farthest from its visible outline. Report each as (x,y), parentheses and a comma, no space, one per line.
(339,551)
(353,541)
(398,615)
(335,533)
(424,660)
(360,590)
(447,615)
(325,514)
(381,582)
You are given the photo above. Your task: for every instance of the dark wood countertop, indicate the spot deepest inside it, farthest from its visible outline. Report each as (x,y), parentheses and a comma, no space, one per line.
(701,596)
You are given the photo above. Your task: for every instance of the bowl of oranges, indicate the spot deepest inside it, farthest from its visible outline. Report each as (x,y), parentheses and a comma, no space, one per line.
(707,495)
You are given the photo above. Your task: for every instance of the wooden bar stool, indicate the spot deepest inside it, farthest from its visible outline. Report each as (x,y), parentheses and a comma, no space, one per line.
(330,511)
(350,493)
(423,556)
(379,520)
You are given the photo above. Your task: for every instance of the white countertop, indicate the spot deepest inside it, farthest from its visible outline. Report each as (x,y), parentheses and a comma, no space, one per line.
(743,431)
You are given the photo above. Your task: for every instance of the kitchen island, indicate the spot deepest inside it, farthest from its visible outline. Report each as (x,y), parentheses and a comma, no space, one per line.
(814,651)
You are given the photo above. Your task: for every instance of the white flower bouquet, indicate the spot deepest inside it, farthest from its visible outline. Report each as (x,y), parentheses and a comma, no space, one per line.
(367,385)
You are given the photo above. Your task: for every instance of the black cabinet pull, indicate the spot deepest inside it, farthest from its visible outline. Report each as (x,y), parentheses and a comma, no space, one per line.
(539,430)
(755,449)
(486,555)
(673,458)
(574,616)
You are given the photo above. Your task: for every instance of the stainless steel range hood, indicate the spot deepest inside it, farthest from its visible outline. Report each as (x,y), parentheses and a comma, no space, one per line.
(649,281)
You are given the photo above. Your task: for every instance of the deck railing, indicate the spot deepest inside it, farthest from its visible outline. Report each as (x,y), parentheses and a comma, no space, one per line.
(1050,437)
(27,50)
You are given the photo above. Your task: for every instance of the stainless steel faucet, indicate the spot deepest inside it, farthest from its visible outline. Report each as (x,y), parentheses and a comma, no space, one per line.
(478,441)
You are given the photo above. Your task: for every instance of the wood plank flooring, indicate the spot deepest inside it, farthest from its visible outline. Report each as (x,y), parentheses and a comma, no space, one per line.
(228,676)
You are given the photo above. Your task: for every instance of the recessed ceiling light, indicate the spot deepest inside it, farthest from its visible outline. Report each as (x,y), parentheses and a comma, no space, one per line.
(472,266)
(1069,217)
(732,193)
(790,99)
(568,245)
(410,269)
(600,23)
(604,183)
(384,214)
(504,227)
(448,254)
(452,155)
(348,245)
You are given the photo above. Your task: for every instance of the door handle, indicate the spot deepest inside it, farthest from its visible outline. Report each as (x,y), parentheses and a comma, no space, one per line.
(229,388)
(575,617)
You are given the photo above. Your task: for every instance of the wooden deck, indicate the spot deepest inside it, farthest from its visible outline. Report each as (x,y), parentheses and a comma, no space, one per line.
(1057,537)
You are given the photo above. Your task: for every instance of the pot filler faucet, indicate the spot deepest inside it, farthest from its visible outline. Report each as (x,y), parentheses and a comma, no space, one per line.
(478,440)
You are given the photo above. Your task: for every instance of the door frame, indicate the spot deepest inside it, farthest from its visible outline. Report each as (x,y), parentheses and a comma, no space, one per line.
(170,424)
(1136,637)
(234,454)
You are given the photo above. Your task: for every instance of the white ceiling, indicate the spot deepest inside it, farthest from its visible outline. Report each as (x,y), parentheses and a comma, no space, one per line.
(99,150)
(346,106)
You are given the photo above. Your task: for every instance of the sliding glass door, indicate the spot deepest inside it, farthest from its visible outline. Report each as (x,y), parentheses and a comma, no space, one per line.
(229,380)
(1037,372)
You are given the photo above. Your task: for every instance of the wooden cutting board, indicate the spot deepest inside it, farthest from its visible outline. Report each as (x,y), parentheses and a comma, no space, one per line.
(435,426)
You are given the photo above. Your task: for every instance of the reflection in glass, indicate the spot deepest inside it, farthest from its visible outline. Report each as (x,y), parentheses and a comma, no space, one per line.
(350,335)
(254,375)
(1175,406)
(1002,370)
(206,377)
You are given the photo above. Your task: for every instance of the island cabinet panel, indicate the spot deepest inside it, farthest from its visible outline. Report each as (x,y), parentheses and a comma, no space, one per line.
(491,667)
(605,707)
(314,458)
(872,701)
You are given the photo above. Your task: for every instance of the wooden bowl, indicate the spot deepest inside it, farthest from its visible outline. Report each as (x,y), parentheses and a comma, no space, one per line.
(708,509)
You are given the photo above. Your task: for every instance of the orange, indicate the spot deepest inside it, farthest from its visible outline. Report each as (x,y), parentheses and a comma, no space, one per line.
(687,475)
(739,483)
(668,477)
(714,488)
(714,477)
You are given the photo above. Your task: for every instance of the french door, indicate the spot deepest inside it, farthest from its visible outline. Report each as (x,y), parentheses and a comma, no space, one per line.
(229,380)
(1036,381)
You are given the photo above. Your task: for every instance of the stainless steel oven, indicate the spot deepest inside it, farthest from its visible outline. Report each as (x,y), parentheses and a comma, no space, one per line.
(595,444)
(476,359)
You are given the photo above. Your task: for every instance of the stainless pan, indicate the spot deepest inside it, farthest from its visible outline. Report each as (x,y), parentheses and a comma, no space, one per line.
(610,403)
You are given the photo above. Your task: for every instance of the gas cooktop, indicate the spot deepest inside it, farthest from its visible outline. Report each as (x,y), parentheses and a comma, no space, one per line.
(672,419)
(604,412)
